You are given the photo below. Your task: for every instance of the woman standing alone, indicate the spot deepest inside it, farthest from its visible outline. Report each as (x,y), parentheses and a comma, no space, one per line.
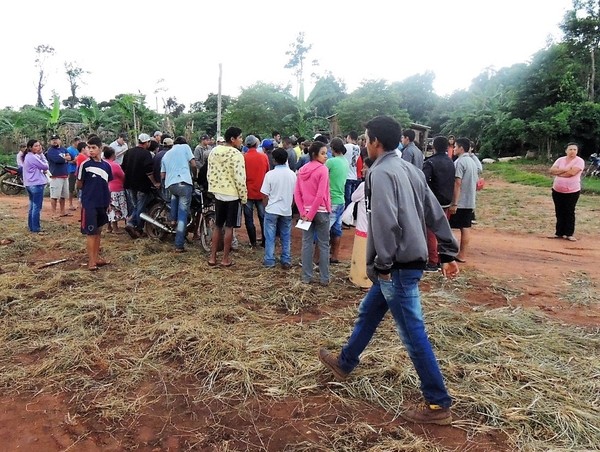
(34,178)
(565,191)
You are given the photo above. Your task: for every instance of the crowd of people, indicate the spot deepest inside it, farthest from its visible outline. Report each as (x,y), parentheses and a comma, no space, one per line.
(400,205)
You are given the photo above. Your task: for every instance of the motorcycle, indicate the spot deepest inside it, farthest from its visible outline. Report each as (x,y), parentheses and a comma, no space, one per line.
(11,180)
(594,169)
(200,223)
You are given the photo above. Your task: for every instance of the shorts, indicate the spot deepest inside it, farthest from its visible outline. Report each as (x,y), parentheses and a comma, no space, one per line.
(335,220)
(72,181)
(59,188)
(93,219)
(461,219)
(228,214)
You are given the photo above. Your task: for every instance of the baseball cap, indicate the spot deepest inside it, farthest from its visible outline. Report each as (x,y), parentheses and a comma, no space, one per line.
(168,142)
(157,133)
(219,138)
(267,144)
(144,138)
(251,141)
(55,137)
(205,137)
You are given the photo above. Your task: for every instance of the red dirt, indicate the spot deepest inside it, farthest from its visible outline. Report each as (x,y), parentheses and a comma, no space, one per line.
(532,264)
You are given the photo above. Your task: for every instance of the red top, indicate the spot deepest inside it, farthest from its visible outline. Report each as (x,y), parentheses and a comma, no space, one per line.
(257,165)
(80,159)
(116,184)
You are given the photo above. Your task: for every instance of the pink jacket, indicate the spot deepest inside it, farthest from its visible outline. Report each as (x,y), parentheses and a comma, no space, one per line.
(312,189)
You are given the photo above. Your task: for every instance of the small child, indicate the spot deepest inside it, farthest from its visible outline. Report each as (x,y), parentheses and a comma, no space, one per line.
(278,191)
(93,176)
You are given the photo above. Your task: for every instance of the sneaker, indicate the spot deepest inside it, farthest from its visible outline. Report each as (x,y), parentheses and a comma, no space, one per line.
(432,267)
(429,414)
(570,238)
(286,266)
(331,362)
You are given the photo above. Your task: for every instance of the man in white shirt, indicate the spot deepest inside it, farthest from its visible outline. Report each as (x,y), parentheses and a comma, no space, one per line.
(120,147)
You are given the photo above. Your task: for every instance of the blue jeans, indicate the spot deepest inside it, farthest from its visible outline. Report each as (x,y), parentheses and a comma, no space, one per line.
(138,200)
(36,199)
(249,217)
(401,296)
(335,220)
(351,185)
(320,226)
(181,197)
(284,225)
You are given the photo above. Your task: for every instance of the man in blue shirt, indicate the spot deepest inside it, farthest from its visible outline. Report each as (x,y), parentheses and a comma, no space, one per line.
(176,169)
(58,157)
(92,179)
(72,168)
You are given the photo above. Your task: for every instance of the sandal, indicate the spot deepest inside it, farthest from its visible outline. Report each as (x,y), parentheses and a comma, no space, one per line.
(230,264)
(102,263)
(93,269)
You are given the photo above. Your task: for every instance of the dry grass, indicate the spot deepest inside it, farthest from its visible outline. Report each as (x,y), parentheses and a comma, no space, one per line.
(156,327)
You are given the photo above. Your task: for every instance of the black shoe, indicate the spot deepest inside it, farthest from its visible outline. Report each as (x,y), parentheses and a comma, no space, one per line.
(432,268)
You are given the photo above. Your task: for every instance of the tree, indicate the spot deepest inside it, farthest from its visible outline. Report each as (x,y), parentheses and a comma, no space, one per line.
(261,108)
(371,99)
(581,26)
(42,53)
(417,95)
(326,94)
(74,75)
(297,53)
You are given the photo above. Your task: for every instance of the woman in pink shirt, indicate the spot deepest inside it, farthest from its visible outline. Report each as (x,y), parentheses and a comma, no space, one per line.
(312,198)
(565,191)
(118,202)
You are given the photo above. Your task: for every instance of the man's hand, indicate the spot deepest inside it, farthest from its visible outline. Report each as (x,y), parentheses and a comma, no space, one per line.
(450,269)
(304,218)
(156,184)
(453,208)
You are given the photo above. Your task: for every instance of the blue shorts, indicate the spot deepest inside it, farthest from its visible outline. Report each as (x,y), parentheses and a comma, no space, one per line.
(93,219)
(335,220)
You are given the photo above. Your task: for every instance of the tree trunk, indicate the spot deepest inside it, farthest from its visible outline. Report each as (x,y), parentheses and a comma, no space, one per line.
(592,93)
(40,101)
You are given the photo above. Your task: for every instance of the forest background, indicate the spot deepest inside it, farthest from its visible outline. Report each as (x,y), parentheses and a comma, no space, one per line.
(536,106)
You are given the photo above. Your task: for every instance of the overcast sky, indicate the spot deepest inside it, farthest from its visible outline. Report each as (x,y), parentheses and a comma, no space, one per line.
(129,45)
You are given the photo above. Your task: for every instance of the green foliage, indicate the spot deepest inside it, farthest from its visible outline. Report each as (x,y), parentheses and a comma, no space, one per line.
(417,96)
(371,99)
(327,93)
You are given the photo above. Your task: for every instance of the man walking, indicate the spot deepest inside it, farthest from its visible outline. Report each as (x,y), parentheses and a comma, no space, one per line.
(400,206)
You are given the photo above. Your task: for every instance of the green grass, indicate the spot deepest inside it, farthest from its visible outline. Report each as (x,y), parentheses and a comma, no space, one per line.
(534,174)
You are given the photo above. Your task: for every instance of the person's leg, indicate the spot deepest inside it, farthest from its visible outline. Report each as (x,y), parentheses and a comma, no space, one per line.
(72,179)
(432,252)
(214,245)
(31,209)
(61,203)
(260,210)
(307,253)
(143,199)
(91,251)
(54,195)
(559,211)
(270,226)
(133,199)
(38,201)
(184,198)
(322,228)
(465,239)
(285,228)
(371,310)
(228,238)
(53,204)
(249,220)
(404,301)
(347,193)
(570,203)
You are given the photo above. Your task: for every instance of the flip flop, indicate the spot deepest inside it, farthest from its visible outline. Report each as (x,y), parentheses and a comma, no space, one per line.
(212,264)
(230,264)
(66,214)
(93,269)
(462,261)
(102,263)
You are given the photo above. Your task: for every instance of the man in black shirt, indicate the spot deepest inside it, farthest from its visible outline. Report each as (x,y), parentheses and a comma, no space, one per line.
(439,173)
(139,180)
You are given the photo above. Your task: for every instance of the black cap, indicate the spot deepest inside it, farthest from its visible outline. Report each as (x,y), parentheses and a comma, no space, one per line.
(55,137)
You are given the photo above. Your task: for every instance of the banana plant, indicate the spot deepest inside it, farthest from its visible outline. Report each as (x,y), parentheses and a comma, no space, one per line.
(92,116)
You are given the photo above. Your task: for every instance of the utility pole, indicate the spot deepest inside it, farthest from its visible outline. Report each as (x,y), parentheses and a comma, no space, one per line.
(219,101)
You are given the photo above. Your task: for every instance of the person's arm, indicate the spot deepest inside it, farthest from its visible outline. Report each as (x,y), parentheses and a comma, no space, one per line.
(456,195)
(239,174)
(79,182)
(322,192)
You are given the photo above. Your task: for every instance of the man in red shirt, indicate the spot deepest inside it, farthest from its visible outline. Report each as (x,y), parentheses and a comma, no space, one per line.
(257,165)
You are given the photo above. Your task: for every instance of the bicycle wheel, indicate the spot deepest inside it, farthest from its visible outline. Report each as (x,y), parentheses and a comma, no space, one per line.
(206,230)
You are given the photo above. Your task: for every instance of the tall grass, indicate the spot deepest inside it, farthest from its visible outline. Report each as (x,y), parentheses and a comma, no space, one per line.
(534,174)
